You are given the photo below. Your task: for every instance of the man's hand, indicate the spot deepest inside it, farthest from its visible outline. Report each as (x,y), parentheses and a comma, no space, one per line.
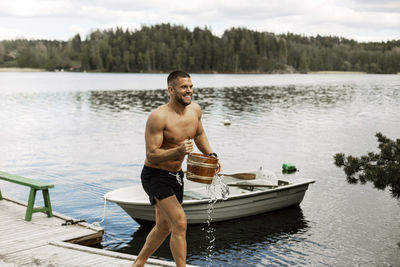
(186,147)
(219,167)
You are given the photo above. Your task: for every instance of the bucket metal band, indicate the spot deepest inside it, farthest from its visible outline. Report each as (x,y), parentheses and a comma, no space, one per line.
(190,175)
(201,164)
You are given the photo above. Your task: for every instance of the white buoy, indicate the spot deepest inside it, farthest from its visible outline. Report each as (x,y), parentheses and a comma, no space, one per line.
(227,122)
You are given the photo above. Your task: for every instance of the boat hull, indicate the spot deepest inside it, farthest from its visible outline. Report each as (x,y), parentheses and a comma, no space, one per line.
(238,205)
(234,208)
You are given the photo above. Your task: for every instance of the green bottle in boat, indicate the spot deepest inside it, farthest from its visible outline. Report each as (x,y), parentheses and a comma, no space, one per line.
(288,168)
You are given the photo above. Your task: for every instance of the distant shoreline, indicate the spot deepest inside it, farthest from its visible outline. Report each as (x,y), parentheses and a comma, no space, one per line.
(336,72)
(21,70)
(15,69)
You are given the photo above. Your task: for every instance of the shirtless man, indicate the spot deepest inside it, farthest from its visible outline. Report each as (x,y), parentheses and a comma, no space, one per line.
(168,135)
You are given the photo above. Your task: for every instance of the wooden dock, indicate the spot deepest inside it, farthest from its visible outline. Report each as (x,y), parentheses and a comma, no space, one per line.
(45,241)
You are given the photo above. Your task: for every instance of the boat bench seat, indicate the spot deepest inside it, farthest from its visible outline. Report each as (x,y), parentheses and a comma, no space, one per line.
(252,186)
(35,185)
(194,195)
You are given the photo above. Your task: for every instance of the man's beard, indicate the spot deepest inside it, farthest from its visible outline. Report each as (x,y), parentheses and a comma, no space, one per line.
(178,97)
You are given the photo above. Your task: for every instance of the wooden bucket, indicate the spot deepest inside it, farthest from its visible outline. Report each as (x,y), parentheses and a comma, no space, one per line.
(201,168)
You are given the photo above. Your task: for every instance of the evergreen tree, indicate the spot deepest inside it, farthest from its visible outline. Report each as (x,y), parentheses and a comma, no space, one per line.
(382,169)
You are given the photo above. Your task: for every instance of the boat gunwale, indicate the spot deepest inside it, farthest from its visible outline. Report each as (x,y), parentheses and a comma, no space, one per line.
(302,182)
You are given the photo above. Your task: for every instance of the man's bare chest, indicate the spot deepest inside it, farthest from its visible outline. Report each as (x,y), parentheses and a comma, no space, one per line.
(179,129)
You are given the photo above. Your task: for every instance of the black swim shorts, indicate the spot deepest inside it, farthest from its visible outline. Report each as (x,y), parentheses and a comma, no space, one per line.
(162,184)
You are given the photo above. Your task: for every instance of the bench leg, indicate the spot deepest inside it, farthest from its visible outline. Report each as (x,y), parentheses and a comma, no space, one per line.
(47,204)
(31,203)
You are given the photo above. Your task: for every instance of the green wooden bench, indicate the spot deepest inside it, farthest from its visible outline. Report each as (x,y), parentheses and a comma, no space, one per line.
(35,185)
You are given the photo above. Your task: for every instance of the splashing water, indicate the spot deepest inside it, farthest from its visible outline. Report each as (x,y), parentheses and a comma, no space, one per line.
(210,230)
(224,188)
(212,188)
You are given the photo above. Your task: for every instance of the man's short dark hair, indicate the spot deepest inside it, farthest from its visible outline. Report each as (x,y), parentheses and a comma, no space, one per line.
(176,74)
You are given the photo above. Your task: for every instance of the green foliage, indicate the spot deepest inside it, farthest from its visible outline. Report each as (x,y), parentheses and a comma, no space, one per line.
(164,47)
(382,169)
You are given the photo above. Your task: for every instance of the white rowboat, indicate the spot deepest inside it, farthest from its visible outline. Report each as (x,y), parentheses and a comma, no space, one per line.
(262,193)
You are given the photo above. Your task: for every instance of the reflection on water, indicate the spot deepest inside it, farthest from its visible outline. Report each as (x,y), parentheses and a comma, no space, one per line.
(86,136)
(237,99)
(240,99)
(144,100)
(237,241)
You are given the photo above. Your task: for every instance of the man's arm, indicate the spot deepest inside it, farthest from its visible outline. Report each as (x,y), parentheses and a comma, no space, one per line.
(201,140)
(154,140)
(203,145)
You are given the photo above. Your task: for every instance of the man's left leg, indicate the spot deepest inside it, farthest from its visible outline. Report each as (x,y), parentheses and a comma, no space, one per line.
(155,238)
(173,210)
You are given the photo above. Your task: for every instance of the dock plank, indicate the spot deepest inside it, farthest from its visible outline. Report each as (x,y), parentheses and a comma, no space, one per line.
(42,241)
(39,239)
(56,255)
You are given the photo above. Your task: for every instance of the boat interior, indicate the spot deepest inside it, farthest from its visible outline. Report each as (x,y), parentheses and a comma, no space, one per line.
(236,186)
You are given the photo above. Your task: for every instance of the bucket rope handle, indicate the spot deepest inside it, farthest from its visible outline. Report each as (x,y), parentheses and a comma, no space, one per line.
(194,176)
(201,164)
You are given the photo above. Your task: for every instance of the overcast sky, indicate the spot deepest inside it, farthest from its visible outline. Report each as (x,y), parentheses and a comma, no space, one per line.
(362,20)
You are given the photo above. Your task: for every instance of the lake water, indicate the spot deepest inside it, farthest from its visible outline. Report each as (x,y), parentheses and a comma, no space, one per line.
(84,133)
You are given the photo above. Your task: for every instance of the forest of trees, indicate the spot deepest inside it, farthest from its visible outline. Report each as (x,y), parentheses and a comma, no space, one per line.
(165,47)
